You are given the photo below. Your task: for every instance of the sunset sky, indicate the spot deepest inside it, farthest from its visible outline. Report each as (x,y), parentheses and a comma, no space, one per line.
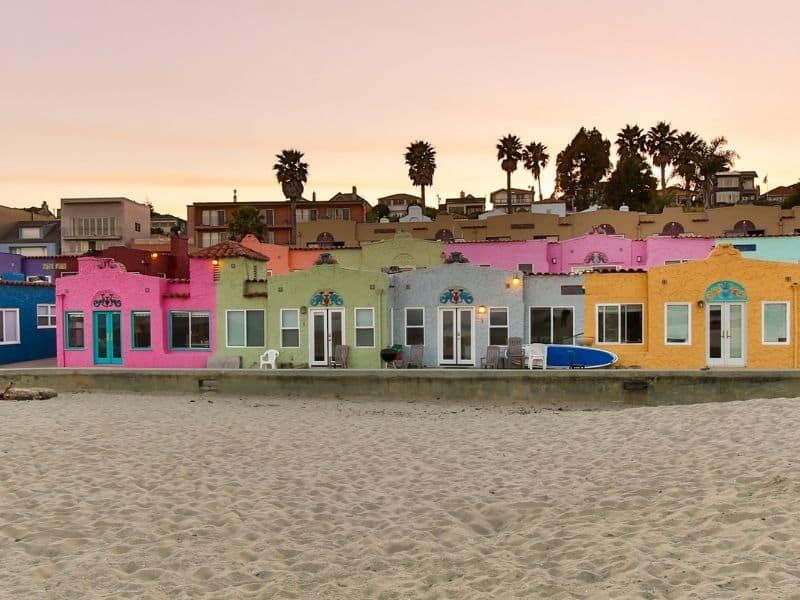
(180,102)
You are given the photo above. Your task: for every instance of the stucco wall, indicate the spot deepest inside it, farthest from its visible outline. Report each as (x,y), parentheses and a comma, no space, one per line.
(34,343)
(546,290)
(782,248)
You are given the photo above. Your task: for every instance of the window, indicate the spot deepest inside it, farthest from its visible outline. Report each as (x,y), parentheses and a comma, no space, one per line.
(91,227)
(775,323)
(498,326)
(267,215)
(677,324)
(140,330)
(619,323)
(245,328)
(137,226)
(211,238)
(552,325)
(45,316)
(290,328)
(676,261)
(30,233)
(304,215)
(415,326)
(338,213)
(525,268)
(9,326)
(29,250)
(190,330)
(213,218)
(73,323)
(365,327)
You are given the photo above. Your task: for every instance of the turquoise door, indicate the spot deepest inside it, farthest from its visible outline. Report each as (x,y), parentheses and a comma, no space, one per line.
(107,338)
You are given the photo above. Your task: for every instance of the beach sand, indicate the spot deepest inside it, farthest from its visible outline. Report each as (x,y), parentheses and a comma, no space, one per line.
(115,496)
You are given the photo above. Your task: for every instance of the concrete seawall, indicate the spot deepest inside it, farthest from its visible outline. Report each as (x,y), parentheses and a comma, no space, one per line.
(577,389)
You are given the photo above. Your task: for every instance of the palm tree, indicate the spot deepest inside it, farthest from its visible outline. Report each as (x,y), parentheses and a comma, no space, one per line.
(535,158)
(421,160)
(661,147)
(291,173)
(713,159)
(688,147)
(509,153)
(631,140)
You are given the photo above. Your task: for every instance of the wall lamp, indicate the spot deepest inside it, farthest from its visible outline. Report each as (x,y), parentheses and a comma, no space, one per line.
(482,309)
(701,303)
(215,262)
(554,260)
(516,280)
(154,255)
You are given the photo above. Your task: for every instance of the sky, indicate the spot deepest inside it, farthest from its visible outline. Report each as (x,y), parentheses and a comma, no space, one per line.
(180,102)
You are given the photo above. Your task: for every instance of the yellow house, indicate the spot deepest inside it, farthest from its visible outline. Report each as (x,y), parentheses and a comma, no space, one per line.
(724,311)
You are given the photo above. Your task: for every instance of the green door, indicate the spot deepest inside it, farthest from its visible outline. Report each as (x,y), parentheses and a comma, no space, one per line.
(107,338)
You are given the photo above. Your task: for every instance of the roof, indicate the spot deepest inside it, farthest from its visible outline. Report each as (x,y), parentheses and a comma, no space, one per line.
(346,197)
(52,232)
(783,190)
(401,195)
(228,249)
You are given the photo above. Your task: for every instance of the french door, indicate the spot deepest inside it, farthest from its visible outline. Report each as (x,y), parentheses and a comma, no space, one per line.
(456,336)
(726,334)
(107,338)
(325,332)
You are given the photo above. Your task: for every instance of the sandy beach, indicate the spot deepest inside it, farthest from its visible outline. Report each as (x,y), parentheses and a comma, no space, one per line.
(114,496)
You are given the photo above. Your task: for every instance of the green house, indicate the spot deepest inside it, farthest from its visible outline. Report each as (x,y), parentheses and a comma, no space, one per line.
(311,312)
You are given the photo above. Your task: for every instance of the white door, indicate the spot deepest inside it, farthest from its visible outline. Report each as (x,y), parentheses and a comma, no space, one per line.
(725,326)
(456,336)
(325,332)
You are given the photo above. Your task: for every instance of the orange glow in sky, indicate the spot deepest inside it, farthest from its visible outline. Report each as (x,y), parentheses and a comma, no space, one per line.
(181,102)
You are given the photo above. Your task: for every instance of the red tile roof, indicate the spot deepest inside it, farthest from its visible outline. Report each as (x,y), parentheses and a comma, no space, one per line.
(228,249)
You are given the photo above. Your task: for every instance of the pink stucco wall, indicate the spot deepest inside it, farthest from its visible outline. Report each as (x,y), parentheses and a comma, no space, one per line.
(137,293)
(562,257)
(283,259)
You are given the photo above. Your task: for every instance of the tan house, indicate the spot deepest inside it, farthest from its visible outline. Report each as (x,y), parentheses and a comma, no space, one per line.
(99,223)
(521,200)
(398,203)
(465,206)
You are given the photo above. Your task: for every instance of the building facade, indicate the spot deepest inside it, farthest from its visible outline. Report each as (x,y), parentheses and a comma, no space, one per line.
(27,321)
(89,224)
(33,238)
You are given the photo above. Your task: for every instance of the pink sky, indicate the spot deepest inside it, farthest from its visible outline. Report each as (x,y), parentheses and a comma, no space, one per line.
(179,102)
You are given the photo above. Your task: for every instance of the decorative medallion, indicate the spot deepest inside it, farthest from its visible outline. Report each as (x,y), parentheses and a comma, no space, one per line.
(326,298)
(596,258)
(326,258)
(725,291)
(106,299)
(456,295)
(456,257)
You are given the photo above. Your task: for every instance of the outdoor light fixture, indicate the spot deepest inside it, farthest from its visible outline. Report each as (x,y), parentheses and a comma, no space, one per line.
(516,279)
(638,259)
(154,255)
(701,303)
(215,262)
(554,260)
(482,309)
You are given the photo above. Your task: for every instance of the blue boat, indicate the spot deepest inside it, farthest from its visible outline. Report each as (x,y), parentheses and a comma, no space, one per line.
(565,356)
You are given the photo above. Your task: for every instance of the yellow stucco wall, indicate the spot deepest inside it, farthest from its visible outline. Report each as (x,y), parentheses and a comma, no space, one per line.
(763,281)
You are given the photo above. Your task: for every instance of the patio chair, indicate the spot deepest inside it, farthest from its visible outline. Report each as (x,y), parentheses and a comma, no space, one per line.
(536,354)
(340,354)
(515,354)
(415,354)
(492,358)
(268,359)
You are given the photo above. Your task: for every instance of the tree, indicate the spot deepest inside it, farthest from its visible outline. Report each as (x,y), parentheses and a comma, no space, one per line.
(631,140)
(509,153)
(291,173)
(794,199)
(378,212)
(247,220)
(431,212)
(712,159)
(661,147)
(688,147)
(535,158)
(580,167)
(421,160)
(631,183)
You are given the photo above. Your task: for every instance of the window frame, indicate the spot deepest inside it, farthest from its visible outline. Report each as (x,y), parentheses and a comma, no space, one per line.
(785,303)
(3,312)
(489,325)
(132,344)
(246,341)
(50,316)
(571,307)
(297,328)
(67,315)
(688,341)
(356,327)
(619,306)
(406,326)
(192,315)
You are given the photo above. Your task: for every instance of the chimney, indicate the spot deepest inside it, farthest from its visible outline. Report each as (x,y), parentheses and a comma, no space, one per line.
(461,195)
(355,193)
(179,257)
(234,196)
(313,196)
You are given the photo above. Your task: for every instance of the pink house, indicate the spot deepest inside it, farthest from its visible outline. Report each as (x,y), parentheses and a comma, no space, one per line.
(107,316)
(593,250)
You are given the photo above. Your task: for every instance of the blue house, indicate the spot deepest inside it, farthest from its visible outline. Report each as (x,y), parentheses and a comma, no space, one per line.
(27,320)
(32,238)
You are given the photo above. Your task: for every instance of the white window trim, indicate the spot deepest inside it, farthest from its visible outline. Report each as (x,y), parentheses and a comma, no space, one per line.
(552,308)
(788,322)
(282,328)
(19,333)
(688,341)
(676,261)
(405,323)
(619,305)
(356,326)
(489,325)
(51,316)
(245,311)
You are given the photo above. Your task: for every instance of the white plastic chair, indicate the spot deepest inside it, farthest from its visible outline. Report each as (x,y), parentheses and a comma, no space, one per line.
(536,354)
(268,358)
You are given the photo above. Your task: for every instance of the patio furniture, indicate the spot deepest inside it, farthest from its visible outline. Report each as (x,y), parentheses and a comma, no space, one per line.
(415,357)
(492,358)
(536,354)
(268,359)
(340,354)
(515,355)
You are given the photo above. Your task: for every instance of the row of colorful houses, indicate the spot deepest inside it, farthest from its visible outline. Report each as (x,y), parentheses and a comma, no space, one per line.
(723,310)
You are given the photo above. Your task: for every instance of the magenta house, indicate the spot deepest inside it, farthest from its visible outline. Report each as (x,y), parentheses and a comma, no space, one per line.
(590,251)
(107,316)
